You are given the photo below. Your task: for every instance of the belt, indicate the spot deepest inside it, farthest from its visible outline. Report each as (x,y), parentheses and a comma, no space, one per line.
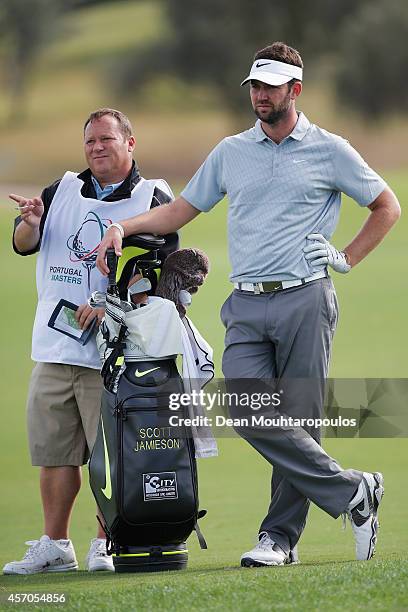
(270,286)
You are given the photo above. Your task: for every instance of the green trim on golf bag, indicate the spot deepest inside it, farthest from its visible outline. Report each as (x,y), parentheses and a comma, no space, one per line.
(145,252)
(143,471)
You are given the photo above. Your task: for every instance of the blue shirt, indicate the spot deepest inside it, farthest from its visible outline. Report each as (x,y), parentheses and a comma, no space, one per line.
(106,191)
(280,193)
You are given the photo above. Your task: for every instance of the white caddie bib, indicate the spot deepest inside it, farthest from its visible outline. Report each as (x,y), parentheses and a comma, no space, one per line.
(66,262)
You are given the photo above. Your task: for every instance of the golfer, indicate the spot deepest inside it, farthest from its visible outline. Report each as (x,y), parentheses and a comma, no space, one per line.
(284,178)
(65,227)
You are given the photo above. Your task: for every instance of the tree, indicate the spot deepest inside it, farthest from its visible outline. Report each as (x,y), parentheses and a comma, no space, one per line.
(374,52)
(26,26)
(212,42)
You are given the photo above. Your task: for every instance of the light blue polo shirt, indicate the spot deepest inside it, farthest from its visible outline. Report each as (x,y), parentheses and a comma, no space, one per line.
(280,193)
(106,191)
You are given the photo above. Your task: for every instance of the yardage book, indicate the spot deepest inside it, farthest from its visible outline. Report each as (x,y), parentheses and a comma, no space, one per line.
(63,320)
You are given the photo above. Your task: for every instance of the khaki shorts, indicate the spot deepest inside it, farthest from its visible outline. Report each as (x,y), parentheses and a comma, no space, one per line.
(62,413)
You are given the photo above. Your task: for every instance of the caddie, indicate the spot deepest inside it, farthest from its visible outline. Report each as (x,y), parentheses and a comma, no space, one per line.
(65,226)
(284,178)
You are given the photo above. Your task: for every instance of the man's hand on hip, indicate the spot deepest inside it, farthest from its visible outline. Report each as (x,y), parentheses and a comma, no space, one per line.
(111,239)
(321,253)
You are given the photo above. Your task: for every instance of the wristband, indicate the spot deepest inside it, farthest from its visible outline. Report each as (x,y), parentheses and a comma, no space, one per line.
(119,227)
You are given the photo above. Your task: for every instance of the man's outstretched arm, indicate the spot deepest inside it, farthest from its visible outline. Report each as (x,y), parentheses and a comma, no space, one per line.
(162,220)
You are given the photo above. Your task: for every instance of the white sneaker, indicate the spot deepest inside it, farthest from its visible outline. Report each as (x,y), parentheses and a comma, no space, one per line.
(44,555)
(266,552)
(97,558)
(362,512)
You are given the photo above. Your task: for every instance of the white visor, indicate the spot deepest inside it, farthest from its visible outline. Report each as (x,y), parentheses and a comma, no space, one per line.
(273,72)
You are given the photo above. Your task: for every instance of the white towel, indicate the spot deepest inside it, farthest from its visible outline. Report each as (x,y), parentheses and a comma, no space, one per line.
(153,331)
(198,369)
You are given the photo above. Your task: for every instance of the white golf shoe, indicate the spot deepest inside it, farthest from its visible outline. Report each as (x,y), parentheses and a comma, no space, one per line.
(362,512)
(266,552)
(44,555)
(97,559)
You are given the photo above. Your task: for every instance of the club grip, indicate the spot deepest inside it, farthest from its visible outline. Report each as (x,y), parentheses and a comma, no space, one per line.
(112,263)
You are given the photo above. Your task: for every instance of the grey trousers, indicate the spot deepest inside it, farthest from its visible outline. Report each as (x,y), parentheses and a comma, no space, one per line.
(287,335)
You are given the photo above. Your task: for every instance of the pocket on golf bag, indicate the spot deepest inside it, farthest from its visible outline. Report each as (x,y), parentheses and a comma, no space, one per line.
(157,487)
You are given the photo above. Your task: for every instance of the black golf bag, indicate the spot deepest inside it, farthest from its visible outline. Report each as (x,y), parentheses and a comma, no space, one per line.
(143,470)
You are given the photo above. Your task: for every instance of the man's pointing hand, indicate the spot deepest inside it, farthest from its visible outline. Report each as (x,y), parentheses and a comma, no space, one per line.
(31,209)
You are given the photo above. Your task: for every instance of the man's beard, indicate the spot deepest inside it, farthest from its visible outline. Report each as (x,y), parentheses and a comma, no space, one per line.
(276,114)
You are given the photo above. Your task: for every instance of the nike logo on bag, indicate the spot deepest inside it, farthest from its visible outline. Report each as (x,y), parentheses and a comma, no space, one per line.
(298,161)
(258,65)
(140,374)
(107,490)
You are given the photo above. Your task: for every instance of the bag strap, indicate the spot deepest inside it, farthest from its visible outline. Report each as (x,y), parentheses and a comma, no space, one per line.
(109,542)
(112,367)
(200,537)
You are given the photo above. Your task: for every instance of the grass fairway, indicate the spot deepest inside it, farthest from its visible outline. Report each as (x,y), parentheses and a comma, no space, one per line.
(233,489)
(371,342)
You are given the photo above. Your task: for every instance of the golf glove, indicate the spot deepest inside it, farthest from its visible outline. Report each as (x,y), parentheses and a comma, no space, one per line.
(322,253)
